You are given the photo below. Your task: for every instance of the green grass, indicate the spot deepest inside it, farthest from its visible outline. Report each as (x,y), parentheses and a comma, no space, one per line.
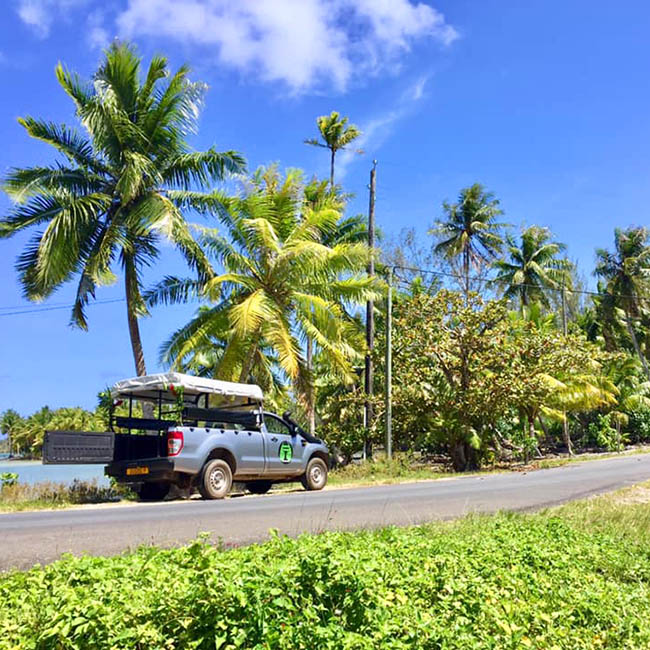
(402,468)
(574,577)
(547,463)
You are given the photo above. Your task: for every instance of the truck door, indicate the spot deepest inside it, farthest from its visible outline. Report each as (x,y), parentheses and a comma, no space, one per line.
(283,450)
(250,448)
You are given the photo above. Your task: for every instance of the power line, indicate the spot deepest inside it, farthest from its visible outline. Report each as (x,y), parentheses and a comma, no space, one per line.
(52,304)
(475,278)
(38,310)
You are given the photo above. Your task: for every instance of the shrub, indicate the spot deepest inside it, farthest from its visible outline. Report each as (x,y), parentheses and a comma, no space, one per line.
(600,433)
(509,581)
(639,426)
(55,494)
(7,479)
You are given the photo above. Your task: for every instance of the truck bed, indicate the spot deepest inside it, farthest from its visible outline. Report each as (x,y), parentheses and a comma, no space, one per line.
(83,447)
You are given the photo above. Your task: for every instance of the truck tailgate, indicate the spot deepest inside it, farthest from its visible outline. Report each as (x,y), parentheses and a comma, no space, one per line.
(69,447)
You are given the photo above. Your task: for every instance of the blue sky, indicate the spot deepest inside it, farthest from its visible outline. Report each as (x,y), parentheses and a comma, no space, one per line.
(545,102)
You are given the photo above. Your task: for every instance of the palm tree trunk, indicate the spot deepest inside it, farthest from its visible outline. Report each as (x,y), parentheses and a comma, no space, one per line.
(635,343)
(247,365)
(332,170)
(134,328)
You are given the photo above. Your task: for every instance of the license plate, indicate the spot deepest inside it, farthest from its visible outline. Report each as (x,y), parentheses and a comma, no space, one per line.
(136,471)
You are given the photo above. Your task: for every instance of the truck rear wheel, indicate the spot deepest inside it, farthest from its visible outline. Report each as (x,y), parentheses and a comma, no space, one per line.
(216,479)
(258,487)
(153,491)
(315,477)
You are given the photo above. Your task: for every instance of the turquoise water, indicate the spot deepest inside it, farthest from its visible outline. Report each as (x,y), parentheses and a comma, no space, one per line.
(33,471)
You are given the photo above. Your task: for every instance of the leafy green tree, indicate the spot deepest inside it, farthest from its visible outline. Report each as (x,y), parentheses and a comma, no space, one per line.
(533,268)
(470,232)
(335,134)
(451,377)
(626,272)
(122,188)
(553,374)
(280,284)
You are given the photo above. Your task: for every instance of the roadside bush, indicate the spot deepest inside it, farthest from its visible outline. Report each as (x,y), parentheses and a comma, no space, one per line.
(379,468)
(600,433)
(17,494)
(346,438)
(7,479)
(639,426)
(509,581)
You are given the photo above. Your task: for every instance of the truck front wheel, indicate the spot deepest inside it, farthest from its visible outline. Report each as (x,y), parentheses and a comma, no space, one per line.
(216,479)
(316,475)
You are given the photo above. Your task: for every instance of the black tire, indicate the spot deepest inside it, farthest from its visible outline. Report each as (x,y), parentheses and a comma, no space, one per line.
(216,479)
(259,487)
(315,477)
(153,491)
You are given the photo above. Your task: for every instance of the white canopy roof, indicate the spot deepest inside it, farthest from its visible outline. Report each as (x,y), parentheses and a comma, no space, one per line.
(147,387)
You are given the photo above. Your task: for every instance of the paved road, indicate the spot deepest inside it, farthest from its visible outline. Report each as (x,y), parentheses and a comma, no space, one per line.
(31,537)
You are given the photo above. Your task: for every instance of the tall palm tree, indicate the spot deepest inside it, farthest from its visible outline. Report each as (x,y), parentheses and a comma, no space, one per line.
(533,268)
(470,231)
(348,230)
(121,190)
(279,285)
(336,134)
(626,272)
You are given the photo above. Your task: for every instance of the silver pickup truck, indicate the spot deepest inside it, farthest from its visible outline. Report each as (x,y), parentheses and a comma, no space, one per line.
(208,433)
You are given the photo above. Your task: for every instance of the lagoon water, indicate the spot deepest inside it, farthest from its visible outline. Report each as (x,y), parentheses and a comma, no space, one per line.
(33,471)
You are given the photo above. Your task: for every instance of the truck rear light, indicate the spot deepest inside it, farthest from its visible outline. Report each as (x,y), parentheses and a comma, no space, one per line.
(174,442)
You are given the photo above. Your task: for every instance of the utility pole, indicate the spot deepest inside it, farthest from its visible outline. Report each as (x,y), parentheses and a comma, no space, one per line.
(564,323)
(370,308)
(565,423)
(388,389)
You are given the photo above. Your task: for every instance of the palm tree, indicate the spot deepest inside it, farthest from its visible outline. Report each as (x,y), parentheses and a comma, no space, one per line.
(348,230)
(280,285)
(533,268)
(470,231)
(204,358)
(122,188)
(11,422)
(626,272)
(336,134)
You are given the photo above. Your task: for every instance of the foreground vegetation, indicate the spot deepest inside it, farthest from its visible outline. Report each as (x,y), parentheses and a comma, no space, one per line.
(560,579)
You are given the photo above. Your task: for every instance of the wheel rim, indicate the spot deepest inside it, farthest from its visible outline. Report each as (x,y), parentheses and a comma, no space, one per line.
(217,480)
(317,474)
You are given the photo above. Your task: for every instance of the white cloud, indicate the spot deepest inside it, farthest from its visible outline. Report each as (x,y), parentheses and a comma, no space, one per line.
(304,43)
(40,14)
(379,128)
(97,35)
(415,92)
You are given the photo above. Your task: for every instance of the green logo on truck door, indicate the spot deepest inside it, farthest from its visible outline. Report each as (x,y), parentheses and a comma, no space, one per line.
(285,452)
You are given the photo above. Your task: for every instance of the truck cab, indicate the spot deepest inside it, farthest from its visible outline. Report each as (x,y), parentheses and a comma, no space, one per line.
(207,434)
